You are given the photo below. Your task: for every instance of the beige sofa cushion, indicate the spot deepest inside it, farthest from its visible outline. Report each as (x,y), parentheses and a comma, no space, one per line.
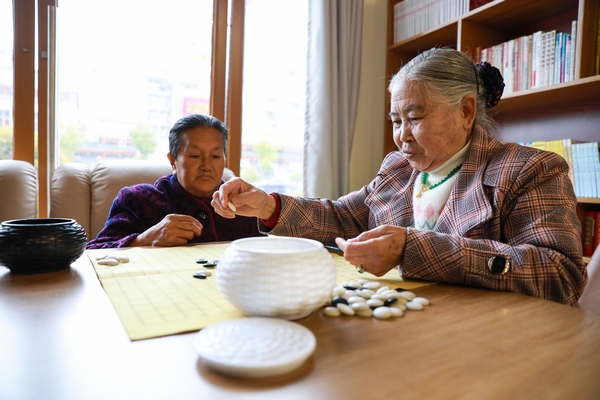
(18,190)
(110,176)
(70,194)
(85,193)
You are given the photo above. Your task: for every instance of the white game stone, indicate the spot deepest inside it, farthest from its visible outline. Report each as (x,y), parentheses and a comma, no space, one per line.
(382,313)
(331,312)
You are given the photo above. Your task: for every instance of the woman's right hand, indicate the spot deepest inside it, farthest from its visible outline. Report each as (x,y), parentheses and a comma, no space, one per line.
(173,230)
(377,250)
(249,201)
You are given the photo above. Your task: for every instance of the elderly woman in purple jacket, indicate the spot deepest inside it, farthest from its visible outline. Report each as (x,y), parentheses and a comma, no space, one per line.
(452,204)
(176,210)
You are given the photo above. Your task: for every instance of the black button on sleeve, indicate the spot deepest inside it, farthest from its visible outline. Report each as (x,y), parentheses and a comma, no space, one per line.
(498,265)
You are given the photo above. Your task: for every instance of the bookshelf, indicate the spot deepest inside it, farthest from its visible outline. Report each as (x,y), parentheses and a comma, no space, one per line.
(564,110)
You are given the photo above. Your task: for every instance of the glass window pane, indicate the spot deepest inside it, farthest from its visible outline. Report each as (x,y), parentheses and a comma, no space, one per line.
(127,70)
(274,94)
(6,79)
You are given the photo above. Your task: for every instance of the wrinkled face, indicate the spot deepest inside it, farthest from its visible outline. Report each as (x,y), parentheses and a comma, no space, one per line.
(426,131)
(200,161)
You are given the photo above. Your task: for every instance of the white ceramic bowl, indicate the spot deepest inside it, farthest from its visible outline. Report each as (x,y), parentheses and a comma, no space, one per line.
(276,276)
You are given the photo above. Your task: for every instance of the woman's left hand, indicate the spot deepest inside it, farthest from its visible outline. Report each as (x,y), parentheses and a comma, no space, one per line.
(376,251)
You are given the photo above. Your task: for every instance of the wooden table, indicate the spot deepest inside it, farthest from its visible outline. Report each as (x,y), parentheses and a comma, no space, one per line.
(60,338)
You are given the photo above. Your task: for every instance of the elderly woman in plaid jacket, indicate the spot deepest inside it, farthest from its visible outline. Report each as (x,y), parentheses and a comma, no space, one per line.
(453,204)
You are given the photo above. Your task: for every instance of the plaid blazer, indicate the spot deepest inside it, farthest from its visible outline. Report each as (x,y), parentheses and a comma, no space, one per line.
(508,200)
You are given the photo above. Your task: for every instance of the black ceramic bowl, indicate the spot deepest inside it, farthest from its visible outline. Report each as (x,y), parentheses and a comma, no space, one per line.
(35,245)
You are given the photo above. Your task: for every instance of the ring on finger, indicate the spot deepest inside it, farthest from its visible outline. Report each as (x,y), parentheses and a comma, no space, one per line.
(360,269)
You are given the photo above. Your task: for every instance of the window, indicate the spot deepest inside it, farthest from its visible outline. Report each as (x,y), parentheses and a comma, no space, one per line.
(6,80)
(274,94)
(126,72)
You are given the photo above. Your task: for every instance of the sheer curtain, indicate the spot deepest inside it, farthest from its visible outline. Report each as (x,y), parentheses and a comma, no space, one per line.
(333,76)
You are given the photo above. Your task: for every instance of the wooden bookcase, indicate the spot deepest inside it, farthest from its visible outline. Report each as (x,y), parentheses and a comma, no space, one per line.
(565,110)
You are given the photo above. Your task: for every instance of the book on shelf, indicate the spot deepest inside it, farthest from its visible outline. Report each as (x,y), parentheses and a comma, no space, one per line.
(586,165)
(473,4)
(597,71)
(569,71)
(412,17)
(568,156)
(507,71)
(559,58)
(538,144)
(550,55)
(534,60)
(588,235)
(573,49)
(597,231)
(595,165)
(527,61)
(580,190)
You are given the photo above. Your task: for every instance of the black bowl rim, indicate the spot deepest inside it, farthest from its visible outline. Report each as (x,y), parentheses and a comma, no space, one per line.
(23,222)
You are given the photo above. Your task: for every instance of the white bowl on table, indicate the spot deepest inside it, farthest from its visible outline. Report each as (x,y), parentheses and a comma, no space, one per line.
(275,276)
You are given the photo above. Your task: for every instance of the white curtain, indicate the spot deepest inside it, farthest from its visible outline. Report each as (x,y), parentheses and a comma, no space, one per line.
(333,76)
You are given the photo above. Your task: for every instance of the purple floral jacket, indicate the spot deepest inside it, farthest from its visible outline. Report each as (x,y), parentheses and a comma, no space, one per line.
(139,207)
(508,200)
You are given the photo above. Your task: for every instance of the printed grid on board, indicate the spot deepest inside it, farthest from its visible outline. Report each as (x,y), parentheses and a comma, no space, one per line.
(155,293)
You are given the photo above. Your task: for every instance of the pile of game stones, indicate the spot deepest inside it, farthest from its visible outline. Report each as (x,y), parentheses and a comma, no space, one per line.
(371,299)
(204,272)
(112,260)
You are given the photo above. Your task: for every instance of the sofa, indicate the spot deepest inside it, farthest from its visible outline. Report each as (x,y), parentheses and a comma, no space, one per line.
(85,193)
(18,190)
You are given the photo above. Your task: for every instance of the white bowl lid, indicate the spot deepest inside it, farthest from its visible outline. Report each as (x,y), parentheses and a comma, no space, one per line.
(254,347)
(276,245)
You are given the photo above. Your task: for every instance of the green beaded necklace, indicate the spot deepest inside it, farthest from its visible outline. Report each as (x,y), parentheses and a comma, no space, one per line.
(426,175)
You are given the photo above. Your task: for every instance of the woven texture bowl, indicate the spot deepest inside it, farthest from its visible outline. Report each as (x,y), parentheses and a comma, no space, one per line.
(37,245)
(278,277)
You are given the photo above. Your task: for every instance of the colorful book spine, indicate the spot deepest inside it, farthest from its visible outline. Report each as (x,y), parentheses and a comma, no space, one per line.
(497,54)
(597,231)
(550,56)
(573,49)
(563,56)
(597,167)
(412,17)
(539,144)
(597,72)
(568,155)
(535,60)
(579,169)
(557,57)
(576,171)
(585,170)
(509,67)
(594,168)
(473,4)
(529,65)
(588,234)
(567,61)
(516,64)
(590,182)
(558,148)
(591,168)
(543,79)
